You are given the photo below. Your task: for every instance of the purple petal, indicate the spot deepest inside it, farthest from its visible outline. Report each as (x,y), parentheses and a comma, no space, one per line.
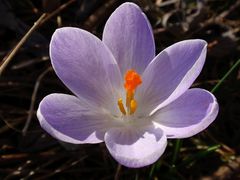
(86,66)
(190,114)
(136,147)
(128,34)
(171,73)
(66,118)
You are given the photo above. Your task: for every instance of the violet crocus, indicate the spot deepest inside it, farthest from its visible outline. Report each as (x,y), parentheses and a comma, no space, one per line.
(124,95)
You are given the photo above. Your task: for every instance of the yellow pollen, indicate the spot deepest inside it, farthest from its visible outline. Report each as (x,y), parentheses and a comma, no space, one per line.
(121,107)
(133,106)
(132,80)
(129,97)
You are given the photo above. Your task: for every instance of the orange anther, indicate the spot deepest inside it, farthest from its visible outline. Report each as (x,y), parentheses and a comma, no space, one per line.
(132,80)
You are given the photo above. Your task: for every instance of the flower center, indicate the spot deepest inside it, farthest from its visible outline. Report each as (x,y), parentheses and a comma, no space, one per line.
(132,80)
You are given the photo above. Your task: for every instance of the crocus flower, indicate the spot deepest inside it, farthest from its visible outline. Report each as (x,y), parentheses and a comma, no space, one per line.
(124,95)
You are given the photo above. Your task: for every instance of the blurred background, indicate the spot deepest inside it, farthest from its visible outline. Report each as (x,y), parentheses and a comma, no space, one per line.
(27,152)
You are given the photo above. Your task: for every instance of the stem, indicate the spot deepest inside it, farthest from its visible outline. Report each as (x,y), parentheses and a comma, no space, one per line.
(152,170)
(33,98)
(20,43)
(225,76)
(43,18)
(117,174)
(176,151)
(55,12)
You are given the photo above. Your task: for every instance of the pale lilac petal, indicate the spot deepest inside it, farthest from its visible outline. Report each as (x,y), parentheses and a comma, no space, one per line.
(86,66)
(134,146)
(128,35)
(188,115)
(171,73)
(66,118)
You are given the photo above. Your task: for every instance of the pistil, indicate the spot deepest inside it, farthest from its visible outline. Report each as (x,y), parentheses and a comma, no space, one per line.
(132,80)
